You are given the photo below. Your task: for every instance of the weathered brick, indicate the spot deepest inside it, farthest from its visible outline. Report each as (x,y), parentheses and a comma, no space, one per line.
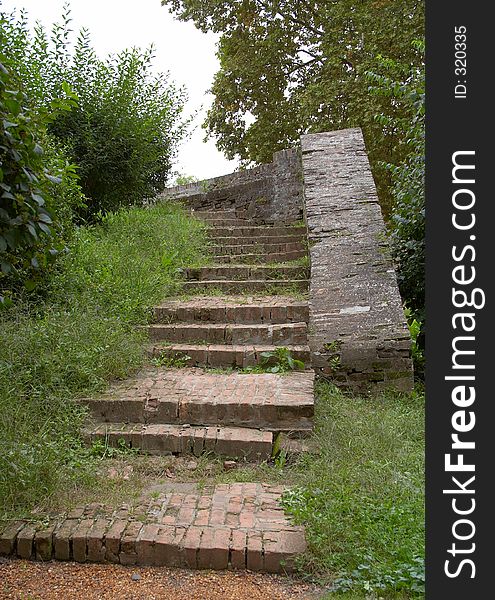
(145,544)
(254,560)
(43,542)
(128,554)
(25,539)
(168,546)
(95,540)
(79,545)
(190,546)
(281,548)
(238,548)
(214,548)
(62,539)
(112,540)
(8,535)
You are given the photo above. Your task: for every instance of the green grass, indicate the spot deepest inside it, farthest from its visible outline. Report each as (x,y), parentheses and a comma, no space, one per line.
(359,492)
(360,496)
(76,335)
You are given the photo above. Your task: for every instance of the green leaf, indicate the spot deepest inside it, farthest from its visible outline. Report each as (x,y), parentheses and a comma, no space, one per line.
(29,284)
(44,227)
(38,199)
(45,218)
(32,230)
(54,179)
(6,268)
(5,302)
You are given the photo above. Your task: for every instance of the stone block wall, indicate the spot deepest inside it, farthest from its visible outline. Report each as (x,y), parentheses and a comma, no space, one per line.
(270,193)
(358,333)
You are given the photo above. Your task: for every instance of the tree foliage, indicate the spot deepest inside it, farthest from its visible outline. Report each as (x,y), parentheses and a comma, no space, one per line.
(406,89)
(294,66)
(124,131)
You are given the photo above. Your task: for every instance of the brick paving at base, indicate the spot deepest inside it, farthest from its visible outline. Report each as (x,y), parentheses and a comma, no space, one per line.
(235,526)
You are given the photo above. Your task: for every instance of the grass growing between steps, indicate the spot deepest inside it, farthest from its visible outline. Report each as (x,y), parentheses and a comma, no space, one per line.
(75,335)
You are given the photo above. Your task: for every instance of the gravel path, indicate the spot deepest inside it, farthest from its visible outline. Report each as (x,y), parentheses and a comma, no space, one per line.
(24,580)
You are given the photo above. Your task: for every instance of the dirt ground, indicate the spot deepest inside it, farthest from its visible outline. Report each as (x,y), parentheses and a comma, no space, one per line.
(24,580)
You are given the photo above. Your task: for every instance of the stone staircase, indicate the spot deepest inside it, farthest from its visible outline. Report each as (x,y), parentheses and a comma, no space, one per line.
(250,301)
(216,408)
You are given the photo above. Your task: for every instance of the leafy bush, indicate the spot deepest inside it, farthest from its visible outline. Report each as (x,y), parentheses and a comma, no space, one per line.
(124,131)
(81,337)
(407,223)
(38,189)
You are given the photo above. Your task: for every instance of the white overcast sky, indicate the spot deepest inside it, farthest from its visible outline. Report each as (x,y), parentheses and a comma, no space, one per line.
(187,53)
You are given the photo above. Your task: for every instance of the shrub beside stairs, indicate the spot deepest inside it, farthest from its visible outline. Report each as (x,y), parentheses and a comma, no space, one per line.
(208,395)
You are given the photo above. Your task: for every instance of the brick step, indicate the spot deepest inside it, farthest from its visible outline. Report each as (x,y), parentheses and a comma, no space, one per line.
(268,286)
(249,240)
(219,355)
(229,333)
(192,396)
(162,439)
(256,230)
(256,258)
(261,248)
(271,309)
(236,526)
(226,222)
(228,213)
(247,272)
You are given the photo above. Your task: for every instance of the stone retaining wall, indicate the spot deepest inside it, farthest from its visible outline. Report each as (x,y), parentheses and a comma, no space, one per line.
(270,193)
(357,330)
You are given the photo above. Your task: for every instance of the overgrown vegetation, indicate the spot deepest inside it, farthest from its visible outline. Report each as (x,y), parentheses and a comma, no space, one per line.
(279,360)
(360,495)
(78,334)
(80,137)
(38,186)
(125,127)
(405,87)
(358,489)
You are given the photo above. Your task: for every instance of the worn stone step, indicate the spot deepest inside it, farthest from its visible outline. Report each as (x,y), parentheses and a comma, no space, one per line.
(228,213)
(256,258)
(160,438)
(249,240)
(269,286)
(192,396)
(261,248)
(235,272)
(229,333)
(226,222)
(242,310)
(256,230)
(223,355)
(227,526)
